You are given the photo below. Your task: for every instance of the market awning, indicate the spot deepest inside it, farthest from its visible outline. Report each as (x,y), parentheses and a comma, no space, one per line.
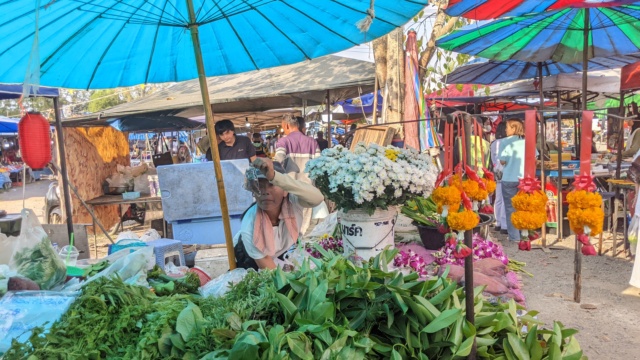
(253,92)
(14,91)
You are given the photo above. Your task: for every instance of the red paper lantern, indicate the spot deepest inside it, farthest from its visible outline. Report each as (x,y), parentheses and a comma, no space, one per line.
(35,140)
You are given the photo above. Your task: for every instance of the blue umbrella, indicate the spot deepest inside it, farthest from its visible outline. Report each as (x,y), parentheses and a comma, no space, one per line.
(488,72)
(111,43)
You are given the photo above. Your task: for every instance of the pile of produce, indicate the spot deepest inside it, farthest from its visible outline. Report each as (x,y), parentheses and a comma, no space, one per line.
(335,310)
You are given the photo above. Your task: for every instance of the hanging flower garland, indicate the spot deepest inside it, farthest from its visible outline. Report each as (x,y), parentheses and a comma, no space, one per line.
(446,197)
(585,214)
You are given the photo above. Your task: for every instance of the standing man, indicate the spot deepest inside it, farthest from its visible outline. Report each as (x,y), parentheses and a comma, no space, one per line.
(232,146)
(322,143)
(293,151)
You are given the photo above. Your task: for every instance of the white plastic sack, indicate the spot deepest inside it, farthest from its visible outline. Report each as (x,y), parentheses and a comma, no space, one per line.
(150,235)
(33,255)
(138,170)
(132,269)
(141,184)
(220,285)
(127,235)
(6,248)
(5,274)
(326,226)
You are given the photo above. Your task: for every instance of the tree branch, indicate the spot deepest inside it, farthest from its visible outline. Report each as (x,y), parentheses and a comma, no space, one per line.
(440,26)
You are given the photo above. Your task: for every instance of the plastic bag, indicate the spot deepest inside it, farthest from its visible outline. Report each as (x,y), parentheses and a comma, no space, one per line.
(132,269)
(33,255)
(5,274)
(220,285)
(127,235)
(634,228)
(326,226)
(150,235)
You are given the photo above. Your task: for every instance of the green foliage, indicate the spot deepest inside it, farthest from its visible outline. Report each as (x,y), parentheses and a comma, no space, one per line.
(104,99)
(41,264)
(334,309)
(422,210)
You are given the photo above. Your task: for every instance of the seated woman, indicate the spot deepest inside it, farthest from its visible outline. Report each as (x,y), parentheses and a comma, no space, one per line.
(272,225)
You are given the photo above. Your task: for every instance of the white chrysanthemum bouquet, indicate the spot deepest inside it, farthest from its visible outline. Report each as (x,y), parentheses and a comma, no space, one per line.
(372,176)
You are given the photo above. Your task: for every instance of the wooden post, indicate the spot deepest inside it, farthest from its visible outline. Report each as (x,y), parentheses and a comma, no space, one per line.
(329,119)
(468,241)
(374,121)
(559,228)
(208,114)
(63,168)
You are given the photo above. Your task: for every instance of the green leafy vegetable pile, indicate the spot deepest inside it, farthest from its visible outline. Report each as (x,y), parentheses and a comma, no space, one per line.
(335,310)
(164,284)
(41,264)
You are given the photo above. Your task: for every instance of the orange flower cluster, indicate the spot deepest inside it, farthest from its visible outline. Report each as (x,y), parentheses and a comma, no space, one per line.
(585,211)
(447,195)
(531,210)
(490,185)
(471,188)
(463,220)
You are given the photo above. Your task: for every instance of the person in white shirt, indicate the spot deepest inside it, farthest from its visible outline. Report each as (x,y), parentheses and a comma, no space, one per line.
(272,225)
(498,206)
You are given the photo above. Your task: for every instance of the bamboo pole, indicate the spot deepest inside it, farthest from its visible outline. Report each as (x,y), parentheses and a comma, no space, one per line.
(374,121)
(208,114)
(330,144)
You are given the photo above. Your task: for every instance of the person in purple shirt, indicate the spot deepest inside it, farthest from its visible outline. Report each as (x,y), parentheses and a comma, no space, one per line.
(293,151)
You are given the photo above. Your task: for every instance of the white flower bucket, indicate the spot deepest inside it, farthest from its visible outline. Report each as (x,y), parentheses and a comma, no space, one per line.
(367,235)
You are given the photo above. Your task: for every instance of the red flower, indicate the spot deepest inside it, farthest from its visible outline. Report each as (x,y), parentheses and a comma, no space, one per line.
(524,245)
(588,250)
(466,201)
(443,229)
(462,251)
(487,209)
(451,240)
(584,239)
(534,235)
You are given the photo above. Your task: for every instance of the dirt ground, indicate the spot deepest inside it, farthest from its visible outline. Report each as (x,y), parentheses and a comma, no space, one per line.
(608,316)
(11,200)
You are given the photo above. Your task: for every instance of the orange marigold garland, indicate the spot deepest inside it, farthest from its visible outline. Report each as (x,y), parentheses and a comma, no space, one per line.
(446,197)
(463,220)
(585,216)
(530,215)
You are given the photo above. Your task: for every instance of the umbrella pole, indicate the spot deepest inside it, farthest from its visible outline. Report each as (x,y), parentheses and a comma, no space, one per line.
(559,220)
(577,277)
(63,168)
(620,140)
(543,143)
(468,241)
(208,113)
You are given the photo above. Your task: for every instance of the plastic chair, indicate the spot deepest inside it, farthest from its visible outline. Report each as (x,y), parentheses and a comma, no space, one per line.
(163,248)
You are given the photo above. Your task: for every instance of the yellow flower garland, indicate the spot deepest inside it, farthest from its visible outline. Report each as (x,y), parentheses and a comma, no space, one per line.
(463,220)
(528,220)
(531,210)
(533,202)
(490,185)
(447,195)
(585,211)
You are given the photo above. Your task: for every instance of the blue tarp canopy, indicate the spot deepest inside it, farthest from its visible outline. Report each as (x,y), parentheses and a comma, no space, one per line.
(14,91)
(184,136)
(8,126)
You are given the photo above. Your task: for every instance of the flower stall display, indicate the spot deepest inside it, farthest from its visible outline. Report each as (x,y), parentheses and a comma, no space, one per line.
(585,214)
(367,184)
(530,202)
(372,177)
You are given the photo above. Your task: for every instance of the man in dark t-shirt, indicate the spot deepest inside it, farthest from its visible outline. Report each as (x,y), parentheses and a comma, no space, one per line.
(322,142)
(232,146)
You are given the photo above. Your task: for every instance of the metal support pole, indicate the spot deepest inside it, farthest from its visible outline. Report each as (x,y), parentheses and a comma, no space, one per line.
(543,145)
(63,168)
(620,139)
(560,214)
(468,241)
(208,114)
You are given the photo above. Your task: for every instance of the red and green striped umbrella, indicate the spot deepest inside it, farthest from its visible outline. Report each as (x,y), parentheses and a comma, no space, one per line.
(493,9)
(554,35)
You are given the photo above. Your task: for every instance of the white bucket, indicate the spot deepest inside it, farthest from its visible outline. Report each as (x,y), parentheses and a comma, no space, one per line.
(367,235)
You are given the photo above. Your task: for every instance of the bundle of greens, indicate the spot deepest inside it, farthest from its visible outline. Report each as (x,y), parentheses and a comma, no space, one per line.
(164,284)
(333,311)
(40,263)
